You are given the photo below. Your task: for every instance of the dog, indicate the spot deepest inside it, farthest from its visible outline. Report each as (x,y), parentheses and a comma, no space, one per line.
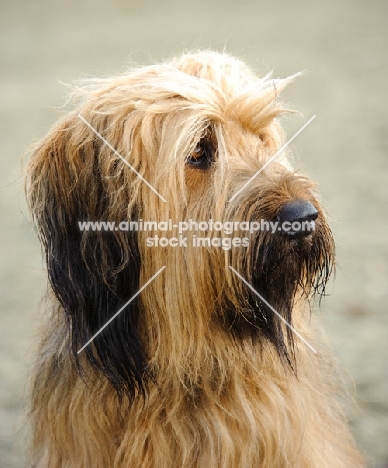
(189,343)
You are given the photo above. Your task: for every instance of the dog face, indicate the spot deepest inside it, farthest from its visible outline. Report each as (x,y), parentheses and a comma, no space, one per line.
(196,129)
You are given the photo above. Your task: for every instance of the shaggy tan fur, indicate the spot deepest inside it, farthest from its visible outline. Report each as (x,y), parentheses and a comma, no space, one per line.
(216,390)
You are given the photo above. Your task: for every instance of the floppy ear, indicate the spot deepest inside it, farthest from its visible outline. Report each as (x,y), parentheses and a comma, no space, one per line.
(73,177)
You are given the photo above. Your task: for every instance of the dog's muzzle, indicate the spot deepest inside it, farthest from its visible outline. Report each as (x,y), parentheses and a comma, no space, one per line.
(297,219)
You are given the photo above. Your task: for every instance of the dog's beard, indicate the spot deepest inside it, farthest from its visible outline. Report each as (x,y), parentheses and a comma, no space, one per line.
(282,271)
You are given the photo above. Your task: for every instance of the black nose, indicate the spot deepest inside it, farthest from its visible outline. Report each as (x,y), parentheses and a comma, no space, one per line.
(297,218)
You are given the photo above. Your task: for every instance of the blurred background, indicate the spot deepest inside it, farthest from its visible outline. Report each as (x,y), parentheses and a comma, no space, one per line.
(341,46)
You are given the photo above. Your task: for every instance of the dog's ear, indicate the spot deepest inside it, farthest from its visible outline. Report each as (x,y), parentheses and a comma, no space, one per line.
(73,177)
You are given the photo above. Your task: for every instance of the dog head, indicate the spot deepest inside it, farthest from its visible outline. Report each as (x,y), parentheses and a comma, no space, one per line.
(178,141)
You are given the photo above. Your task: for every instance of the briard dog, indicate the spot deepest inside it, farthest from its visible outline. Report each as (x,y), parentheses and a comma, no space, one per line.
(183,252)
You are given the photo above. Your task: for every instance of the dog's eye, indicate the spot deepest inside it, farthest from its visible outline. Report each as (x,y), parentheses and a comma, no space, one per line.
(202,155)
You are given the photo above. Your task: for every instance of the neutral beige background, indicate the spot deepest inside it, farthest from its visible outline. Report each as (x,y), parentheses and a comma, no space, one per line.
(342,46)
